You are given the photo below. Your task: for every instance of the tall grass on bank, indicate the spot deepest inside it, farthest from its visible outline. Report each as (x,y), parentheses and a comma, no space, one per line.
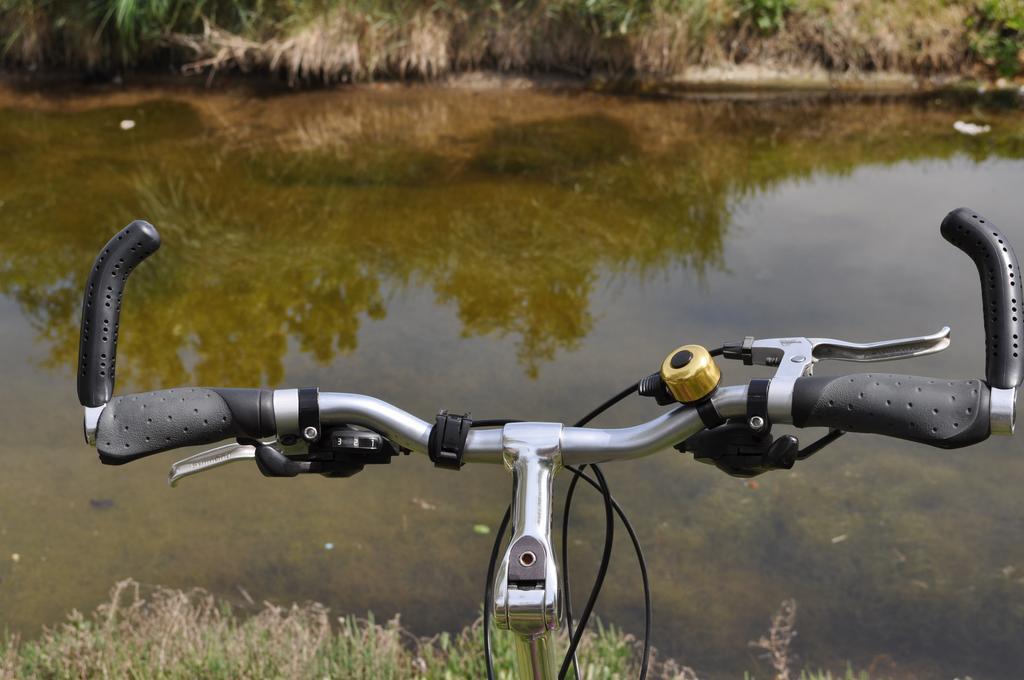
(171,634)
(342,40)
(166,633)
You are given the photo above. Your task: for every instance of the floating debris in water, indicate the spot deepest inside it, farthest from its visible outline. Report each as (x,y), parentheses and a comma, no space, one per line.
(101,503)
(15,557)
(481,529)
(838,539)
(1008,570)
(423,505)
(328,546)
(127,124)
(971,129)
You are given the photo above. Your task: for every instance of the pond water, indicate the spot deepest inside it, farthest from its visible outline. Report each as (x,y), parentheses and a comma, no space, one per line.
(519,254)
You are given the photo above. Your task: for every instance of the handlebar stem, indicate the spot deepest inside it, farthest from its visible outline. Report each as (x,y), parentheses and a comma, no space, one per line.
(527,600)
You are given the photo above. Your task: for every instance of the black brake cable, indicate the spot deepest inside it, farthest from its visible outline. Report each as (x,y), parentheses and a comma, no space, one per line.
(636,544)
(488,591)
(596,588)
(494,422)
(607,405)
(602,570)
(641,563)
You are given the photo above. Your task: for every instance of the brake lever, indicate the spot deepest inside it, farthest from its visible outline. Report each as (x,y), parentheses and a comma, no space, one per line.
(206,460)
(885,350)
(795,357)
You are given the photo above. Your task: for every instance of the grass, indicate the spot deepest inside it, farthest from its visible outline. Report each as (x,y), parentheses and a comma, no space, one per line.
(324,41)
(169,634)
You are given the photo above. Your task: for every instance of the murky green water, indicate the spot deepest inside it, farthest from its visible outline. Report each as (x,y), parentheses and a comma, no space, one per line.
(517,254)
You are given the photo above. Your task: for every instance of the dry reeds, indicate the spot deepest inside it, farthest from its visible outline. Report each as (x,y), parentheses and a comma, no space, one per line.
(925,37)
(333,41)
(147,632)
(776,645)
(156,632)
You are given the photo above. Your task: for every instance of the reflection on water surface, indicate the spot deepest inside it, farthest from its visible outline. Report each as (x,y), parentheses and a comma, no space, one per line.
(520,254)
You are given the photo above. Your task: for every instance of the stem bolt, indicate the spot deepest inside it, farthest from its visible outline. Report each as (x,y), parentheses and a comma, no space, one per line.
(756,423)
(310,433)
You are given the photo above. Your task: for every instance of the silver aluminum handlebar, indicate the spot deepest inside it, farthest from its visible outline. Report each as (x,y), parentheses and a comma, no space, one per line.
(579,445)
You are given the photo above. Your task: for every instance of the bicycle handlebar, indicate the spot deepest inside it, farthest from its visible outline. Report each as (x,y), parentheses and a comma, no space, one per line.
(579,445)
(139,425)
(941,413)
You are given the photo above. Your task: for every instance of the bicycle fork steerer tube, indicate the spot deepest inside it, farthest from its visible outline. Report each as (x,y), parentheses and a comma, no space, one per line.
(527,601)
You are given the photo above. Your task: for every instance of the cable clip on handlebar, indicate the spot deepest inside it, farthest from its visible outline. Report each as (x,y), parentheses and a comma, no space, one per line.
(448,440)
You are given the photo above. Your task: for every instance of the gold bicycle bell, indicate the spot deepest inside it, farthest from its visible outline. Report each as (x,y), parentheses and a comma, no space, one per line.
(690,373)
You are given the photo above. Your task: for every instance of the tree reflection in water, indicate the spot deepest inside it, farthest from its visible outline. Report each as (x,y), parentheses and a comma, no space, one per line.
(294,223)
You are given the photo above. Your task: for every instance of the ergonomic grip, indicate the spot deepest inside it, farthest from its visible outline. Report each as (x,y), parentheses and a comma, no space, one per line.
(1000,293)
(943,413)
(139,425)
(101,309)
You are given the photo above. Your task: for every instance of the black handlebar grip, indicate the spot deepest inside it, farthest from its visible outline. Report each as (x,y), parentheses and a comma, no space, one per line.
(139,425)
(1000,293)
(101,309)
(943,413)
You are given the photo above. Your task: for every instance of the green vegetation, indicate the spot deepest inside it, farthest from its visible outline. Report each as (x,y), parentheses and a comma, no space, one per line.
(1000,38)
(187,634)
(167,633)
(332,40)
(768,15)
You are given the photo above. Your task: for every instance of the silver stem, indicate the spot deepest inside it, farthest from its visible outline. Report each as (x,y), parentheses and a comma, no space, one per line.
(527,601)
